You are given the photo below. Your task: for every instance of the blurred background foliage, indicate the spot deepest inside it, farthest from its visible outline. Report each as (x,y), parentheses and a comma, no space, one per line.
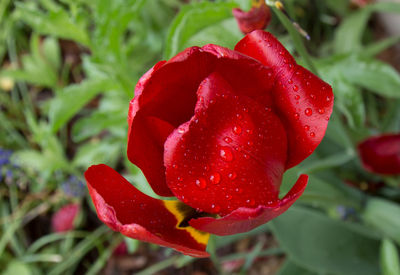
(68,71)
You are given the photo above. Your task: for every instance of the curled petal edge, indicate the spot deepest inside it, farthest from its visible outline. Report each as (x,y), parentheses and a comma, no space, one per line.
(101,178)
(245,219)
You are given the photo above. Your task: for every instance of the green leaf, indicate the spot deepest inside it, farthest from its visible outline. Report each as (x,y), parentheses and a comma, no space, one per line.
(192,19)
(225,33)
(290,268)
(390,262)
(52,52)
(71,99)
(97,122)
(55,22)
(373,75)
(104,151)
(16,267)
(324,245)
(384,216)
(348,36)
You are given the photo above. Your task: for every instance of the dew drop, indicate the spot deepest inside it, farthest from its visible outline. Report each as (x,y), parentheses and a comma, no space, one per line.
(327,118)
(215,207)
(228,197)
(297,97)
(239,190)
(215,178)
(328,98)
(269,74)
(295,88)
(246,156)
(251,202)
(308,112)
(201,183)
(181,130)
(174,166)
(306,127)
(268,109)
(290,81)
(180,179)
(296,116)
(239,116)
(308,83)
(250,143)
(249,131)
(312,134)
(238,149)
(245,109)
(226,154)
(232,175)
(321,111)
(227,139)
(237,130)
(206,167)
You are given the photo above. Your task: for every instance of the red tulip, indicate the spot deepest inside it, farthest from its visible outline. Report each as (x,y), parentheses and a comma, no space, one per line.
(381,154)
(215,128)
(63,220)
(257,18)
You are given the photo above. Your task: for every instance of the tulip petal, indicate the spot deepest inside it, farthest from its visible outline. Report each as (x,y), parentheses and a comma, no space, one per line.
(257,18)
(165,97)
(231,154)
(381,154)
(125,209)
(245,219)
(303,100)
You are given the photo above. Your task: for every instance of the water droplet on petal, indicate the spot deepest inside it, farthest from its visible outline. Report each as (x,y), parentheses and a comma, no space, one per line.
(321,111)
(215,207)
(297,97)
(246,156)
(251,202)
(295,88)
(290,81)
(174,166)
(308,112)
(232,175)
(226,154)
(328,98)
(250,143)
(312,134)
(296,116)
(181,130)
(227,139)
(312,96)
(179,179)
(201,183)
(215,178)
(228,197)
(239,116)
(237,130)
(306,127)
(239,190)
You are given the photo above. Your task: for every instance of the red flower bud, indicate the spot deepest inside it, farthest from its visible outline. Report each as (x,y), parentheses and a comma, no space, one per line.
(63,219)
(216,128)
(257,18)
(381,154)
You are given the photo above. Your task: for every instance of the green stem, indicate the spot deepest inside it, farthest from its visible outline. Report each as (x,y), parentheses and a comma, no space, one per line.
(297,40)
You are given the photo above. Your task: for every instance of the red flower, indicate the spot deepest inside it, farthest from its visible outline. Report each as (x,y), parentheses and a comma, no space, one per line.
(215,128)
(63,220)
(257,18)
(381,154)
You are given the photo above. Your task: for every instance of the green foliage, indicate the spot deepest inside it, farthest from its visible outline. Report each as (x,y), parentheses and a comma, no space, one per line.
(324,245)
(390,261)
